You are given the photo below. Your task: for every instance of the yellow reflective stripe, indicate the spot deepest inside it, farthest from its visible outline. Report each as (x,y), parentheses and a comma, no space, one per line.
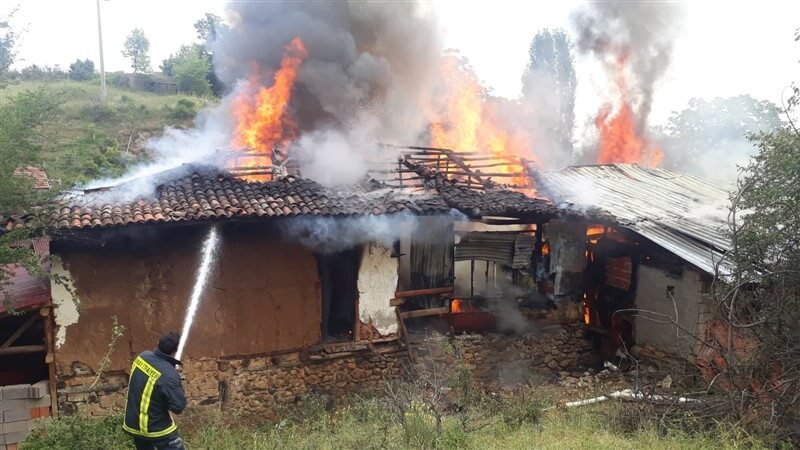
(153,375)
(154,434)
(145,404)
(145,367)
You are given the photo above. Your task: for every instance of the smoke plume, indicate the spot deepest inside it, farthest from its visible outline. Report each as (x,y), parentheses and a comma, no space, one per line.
(375,58)
(639,35)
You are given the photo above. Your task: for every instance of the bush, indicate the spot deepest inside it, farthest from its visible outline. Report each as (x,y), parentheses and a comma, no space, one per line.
(81,70)
(42,73)
(118,79)
(523,409)
(99,111)
(191,72)
(184,110)
(71,432)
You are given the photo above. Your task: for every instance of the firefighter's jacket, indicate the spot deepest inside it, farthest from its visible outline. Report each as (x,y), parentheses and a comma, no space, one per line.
(154,389)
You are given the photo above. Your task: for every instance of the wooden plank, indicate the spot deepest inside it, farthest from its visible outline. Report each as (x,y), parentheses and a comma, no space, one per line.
(431,291)
(425,312)
(14,336)
(396,301)
(22,349)
(49,343)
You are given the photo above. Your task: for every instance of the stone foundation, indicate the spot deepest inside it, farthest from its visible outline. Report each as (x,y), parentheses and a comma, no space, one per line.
(258,384)
(255,383)
(494,358)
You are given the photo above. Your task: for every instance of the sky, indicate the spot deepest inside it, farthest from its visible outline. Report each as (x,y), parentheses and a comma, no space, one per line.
(723,48)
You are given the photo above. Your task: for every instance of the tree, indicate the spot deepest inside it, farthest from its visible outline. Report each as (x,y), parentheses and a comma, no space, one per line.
(8,41)
(191,71)
(549,85)
(20,118)
(81,70)
(208,28)
(137,47)
(168,65)
(710,137)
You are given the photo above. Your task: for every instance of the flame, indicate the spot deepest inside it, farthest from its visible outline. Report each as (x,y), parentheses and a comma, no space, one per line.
(455,306)
(620,140)
(463,122)
(587,312)
(262,120)
(545,249)
(595,230)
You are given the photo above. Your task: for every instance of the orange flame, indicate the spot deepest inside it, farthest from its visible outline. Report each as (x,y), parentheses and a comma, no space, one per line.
(620,141)
(463,122)
(262,121)
(455,305)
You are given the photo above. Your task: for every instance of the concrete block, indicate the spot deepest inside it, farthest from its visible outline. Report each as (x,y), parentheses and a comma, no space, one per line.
(15,438)
(2,440)
(22,403)
(17,427)
(16,391)
(40,389)
(15,415)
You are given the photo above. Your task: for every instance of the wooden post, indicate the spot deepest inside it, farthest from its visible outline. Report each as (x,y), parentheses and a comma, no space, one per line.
(50,357)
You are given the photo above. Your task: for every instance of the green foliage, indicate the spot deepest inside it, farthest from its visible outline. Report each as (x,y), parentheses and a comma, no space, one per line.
(137,48)
(168,65)
(81,70)
(525,409)
(760,297)
(42,73)
(72,432)
(20,120)
(769,240)
(208,28)
(8,43)
(184,109)
(364,423)
(191,69)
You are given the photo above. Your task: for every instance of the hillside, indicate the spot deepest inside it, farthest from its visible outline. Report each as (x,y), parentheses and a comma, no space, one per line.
(90,138)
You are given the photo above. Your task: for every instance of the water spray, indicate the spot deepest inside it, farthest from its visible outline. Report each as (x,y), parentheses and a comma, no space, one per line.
(209,250)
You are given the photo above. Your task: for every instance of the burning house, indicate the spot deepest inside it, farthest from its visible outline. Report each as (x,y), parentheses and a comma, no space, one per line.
(319,289)
(337,258)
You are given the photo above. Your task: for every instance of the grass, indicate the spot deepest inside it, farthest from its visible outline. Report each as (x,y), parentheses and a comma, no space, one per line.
(367,423)
(91,138)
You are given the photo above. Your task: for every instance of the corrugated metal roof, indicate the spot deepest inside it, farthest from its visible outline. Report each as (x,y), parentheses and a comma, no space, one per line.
(682,213)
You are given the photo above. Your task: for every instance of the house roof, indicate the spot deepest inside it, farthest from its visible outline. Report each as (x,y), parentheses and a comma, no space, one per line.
(207,194)
(682,213)
(22,289)
(491,200)
(37,175)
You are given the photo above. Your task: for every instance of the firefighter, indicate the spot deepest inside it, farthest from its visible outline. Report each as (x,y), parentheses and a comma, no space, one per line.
(155,389)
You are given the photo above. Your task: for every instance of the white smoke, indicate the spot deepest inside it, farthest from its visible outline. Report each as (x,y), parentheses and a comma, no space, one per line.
(331,158)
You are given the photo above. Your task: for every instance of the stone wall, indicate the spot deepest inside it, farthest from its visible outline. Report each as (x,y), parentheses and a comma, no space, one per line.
(256,384)
(494,358)
(260,383)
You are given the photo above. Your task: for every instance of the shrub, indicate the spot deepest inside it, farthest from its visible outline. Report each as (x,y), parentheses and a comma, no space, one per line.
(184,109)
(191,71)
(521,410)
(46,73)
(81,70)
(99,112)
(71,432)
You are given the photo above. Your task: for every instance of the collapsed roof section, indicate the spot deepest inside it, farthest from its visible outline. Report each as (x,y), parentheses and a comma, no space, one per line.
(682,213)
(207,194)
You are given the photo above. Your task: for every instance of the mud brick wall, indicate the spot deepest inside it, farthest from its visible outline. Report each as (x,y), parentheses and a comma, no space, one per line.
(256,384)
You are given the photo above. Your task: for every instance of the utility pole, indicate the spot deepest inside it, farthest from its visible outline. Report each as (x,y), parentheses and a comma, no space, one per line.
(102,66)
